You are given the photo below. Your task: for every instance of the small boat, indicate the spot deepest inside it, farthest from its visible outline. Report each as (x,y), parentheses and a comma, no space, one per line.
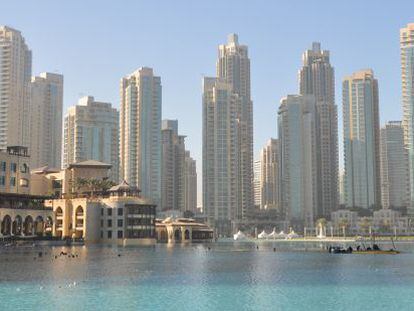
(377,252)
(239,236)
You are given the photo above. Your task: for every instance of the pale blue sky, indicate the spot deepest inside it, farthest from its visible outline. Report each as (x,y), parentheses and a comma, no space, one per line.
(94,43)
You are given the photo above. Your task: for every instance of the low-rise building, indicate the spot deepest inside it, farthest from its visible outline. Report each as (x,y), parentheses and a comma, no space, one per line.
(177,230)
(14,170)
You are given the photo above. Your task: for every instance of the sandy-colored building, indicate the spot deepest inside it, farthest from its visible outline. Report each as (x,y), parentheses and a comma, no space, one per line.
(183,230)
(46,91)
(15,170)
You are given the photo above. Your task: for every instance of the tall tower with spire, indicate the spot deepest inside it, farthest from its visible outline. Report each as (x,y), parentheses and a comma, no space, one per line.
(233,66)
(316,77)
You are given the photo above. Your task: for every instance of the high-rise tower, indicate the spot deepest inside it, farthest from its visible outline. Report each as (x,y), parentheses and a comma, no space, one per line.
(233,65)
(316,77)
(407,77)
(361,140)
(46,120)
(15,75)
(140,132)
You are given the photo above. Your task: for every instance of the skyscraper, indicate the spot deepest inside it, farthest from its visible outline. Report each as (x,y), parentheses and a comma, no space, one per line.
(361,140)
(15,75)
(395,176)
(269,159)
(257,173)
(173,167)
(190,182)
(407,77)
(233,66)
(46,120)
(221,170)
(91,133)
(297,159)
(316,77)
(140,132)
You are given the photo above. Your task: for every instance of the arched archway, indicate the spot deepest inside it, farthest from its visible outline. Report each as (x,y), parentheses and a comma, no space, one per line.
(17,225)
(177,235)
(38,226)
(163,236)
(79,222)
(6,225)
(59,211)
(48,226)
(28,226)
(187,234)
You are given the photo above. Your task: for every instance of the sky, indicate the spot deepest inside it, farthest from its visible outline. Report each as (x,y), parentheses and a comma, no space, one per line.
(95,43)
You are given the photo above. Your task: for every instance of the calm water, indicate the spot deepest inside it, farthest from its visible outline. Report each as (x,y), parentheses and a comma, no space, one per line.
(231,276)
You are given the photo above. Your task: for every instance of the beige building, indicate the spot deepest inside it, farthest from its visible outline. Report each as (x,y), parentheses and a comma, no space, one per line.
(140,132)
(46,120)
(233,67)
(221,169)
(15,170)
(269,181)
(21,214)
(15,74)
(91,133)
(190,184)
(173,168)
(64,183)
(316,77)
(180,230)
(123,218)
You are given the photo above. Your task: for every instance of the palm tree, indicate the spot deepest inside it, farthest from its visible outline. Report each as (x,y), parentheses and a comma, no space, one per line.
(365,223)
(344,223)
(79,183)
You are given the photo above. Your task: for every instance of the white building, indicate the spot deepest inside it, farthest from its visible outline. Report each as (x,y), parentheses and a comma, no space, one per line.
(140,132)
(257,176)
(46,120)
(15,74)
(91,133)
(361,140)
(221,200)
(407,77)
(395,176)
(297,166)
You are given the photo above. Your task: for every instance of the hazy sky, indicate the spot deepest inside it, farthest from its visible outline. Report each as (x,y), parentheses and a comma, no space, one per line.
(94,43)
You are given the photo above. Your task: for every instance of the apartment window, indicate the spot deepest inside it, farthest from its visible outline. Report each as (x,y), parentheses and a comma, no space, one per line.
(120,234)
(13,167)
(109,211)
(2,180)
(120,211)
(120,222)
(13,181)
(102,211)
(3,166)
(110,234)
(109,223)
(101,222)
